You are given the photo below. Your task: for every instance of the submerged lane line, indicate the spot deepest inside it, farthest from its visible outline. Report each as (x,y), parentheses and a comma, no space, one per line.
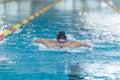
(25,21)
(112,6)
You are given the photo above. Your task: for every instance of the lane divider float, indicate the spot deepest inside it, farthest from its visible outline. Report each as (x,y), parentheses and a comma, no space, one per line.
(112,6)
(25,21)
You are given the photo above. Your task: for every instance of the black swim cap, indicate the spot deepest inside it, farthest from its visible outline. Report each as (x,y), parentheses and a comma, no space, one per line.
(61,35)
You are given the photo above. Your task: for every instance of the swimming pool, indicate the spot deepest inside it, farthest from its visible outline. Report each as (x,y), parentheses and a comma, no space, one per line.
(22,59)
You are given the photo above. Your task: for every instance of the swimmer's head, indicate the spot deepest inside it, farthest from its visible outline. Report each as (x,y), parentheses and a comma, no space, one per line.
(61,37)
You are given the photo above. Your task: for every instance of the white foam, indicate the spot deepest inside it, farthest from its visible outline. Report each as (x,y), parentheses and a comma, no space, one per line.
(70,37)
(108,22)
(1,30)
(1,22)
(18,31)
(106,27)
(2,27)
(5,60)
(99,69)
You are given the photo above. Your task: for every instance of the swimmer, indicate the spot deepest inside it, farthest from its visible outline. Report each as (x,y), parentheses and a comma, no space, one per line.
(61,42)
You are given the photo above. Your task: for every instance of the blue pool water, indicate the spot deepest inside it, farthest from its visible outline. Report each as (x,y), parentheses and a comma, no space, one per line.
(22,59)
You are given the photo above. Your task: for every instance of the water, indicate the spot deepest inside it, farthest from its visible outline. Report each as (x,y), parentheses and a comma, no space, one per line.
(21,58)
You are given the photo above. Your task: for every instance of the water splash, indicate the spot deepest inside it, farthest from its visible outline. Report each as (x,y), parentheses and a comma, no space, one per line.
(106,23)
(4,60)
(103,70)
(1,28)
(105,28)
(70,37)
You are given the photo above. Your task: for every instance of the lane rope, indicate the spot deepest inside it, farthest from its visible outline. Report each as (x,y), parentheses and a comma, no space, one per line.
(25,21)
(112,6)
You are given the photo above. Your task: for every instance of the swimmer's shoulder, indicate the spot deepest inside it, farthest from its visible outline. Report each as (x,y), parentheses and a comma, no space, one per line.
(70,43)
(52,43)
(73,44)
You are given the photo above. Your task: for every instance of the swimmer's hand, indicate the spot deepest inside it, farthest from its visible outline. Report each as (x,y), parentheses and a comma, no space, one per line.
(34,40)
(88,44)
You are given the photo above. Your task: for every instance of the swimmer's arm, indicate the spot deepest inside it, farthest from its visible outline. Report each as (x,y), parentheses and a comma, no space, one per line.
(86,44)
(39,40)
(42,41)
(82,43)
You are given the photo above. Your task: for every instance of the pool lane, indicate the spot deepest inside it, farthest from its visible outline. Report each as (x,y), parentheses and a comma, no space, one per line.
(28,61)
(25,21)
